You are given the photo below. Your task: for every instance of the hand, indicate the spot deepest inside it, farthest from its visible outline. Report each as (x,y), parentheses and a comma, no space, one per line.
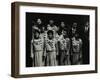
(31,57)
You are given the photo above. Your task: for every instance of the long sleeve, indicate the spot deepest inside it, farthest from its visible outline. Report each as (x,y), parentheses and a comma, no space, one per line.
(32,55)
(68,47)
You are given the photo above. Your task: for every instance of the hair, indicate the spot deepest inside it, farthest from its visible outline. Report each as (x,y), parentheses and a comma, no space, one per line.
(50,31)
(65,29)
(36,31)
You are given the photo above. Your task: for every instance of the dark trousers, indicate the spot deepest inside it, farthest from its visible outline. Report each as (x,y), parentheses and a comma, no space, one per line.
(85,52)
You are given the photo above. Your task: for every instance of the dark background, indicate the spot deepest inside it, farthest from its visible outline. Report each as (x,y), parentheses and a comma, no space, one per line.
(45,17)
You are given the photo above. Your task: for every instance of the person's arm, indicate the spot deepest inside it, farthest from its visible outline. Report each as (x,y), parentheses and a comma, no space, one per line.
(44,49)
(32,49)
(71,46)
(80,48)
(57,50)
(68,46)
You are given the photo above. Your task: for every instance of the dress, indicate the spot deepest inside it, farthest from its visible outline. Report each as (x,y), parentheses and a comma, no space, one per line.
(64,48)
(76,51)
(38,46)
(51,52)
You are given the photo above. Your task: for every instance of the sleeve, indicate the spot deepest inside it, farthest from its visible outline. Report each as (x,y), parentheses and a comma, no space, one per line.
(80,48)
(80,43)
(44,47)
(71,44)
(57,49)
(32,49)
(68,47)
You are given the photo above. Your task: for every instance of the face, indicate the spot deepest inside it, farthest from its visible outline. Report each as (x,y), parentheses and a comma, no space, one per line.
(39,21)
(43,28)
(87,24)
(62,24)
(57,29)
(51,21)
(76,36)
(64,32)
(74,25)
(36,35)
(50,35)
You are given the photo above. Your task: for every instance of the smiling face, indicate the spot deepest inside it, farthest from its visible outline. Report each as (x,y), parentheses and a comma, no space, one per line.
(50,34)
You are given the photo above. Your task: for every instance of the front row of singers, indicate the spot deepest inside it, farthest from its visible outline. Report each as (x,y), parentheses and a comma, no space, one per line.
(48,50)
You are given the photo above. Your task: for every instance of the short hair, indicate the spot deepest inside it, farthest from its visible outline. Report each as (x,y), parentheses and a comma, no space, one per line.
(38,19)
(50,31)
(51,21)
(75,24)
(36,31)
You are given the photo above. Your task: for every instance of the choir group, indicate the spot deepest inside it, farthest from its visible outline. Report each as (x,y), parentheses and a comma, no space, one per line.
(54,45)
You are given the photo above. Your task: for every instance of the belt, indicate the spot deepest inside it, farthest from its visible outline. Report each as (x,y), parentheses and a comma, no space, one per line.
(51,51)
(38,50)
